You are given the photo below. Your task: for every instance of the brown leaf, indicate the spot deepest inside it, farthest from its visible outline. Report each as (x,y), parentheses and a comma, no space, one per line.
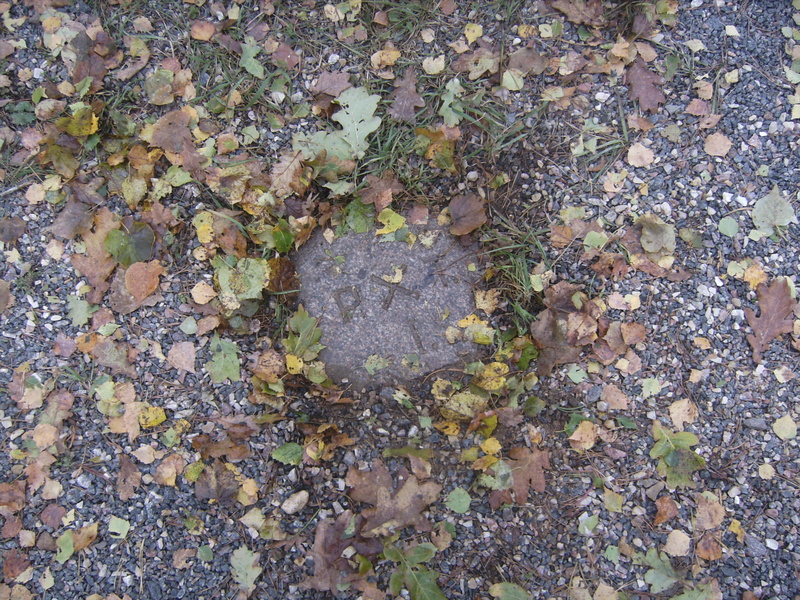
(667,510)
(83,536)
(581,12)
(97,264)
(169,469)
(528,471)
(181,557)
(610,265)
(708,547)
(269,366)
(114,355)
(709,513)
(331,84)
(6,299)
(11,229)
(528,60)
(394,507)
(182,356)
(217,482)
(74,219)
(12,495)
(643,84)
(698,108)
(468,212)
(14,564)
(142,278)
(405,99)
(285,57)
(224,446)
(128,478)
(331,569)
(202,30)
(52,515)
(717,144)
(282,277)
(287,175)
(776,306)
(171,133)
(380,190)
(11,527)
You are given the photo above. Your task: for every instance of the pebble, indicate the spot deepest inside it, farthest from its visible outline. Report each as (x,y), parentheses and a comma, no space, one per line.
(756,423)
(295,503)
(754,547)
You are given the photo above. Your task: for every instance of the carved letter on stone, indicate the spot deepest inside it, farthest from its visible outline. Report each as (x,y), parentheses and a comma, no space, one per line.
(346,308)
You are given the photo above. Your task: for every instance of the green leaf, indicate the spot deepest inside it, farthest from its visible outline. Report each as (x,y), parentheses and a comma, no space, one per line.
(224,363)
(661,575)
(458,500)
(249,62)
(420,553)
(502,478)
(728,226)
(66,547)
(772,211)
(650,387)
(288,454)
(245,281)
(533,406)
(508,591)
(205,553)
(79,310)
(452,109)
(693,238)
(283,236)
(128,247)
(704,591)
(376,363)
(359,216)
(118,528)
(303,340)
(245,568)
(627,423)
(588,524)
(422,585)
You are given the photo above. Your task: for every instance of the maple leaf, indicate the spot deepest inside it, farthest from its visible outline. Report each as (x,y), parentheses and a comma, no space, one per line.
(380,190)
(171,133)
(527,468)
(394,507)
(776,305)
(405,99)
(643,85)
(331,570)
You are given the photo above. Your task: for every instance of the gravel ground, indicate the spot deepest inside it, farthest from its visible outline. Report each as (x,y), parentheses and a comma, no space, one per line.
(180,546)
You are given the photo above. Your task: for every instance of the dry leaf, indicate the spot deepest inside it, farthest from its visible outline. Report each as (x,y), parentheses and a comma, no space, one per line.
(182,356)
(682,412)
(203,293)
(614,397)
(666,508)
(141,279)
(381,190)
(776,306)
(584,436)
(717,144)
(128,478)
(405,99)
(169,469)
(640,155)
(678,543)
(643,85)
(202,30)
(468,212)
(709,513)
(331,84)
(709,548)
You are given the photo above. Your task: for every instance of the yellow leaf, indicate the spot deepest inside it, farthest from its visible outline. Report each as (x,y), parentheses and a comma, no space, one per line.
(491,446)
(471,320)
(448,427)
(204,224)
(152,416)
(584,436)
(736,528)
(484,462)
(487,300)
(248,493)
(472,32)
(391,221)
(492,377)
(294,364)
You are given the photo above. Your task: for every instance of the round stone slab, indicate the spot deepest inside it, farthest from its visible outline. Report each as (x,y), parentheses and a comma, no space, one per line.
(384,306)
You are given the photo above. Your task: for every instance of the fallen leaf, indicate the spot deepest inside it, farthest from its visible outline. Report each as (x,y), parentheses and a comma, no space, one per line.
(643,85)
(666,509)
(14,564)
(717,144)
(169,469)
(771,211)
(581,12)
(527,467)
(433,66)
(142,279)
(128,478)
(709,513)
(776,306)
(708,547)
(203,293)
(785,428)
(678,543)
(682,412)
(246,569)
(405,99)
(202,30)
(395,507)
(584,436)
(614,397)
(331,83)
(640,155)
(468,212)
(380,191)
(217,483)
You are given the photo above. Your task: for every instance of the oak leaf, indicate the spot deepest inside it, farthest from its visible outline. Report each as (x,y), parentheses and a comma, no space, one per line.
(405,99)
(128,478)
(395,506)
(381,190)
(776,306)
(527,469)
(643,84)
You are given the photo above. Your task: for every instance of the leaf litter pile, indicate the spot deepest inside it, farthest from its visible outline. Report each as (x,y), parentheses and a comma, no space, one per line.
(167,422)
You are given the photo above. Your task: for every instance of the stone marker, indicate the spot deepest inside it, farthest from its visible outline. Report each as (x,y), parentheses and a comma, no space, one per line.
(384,306)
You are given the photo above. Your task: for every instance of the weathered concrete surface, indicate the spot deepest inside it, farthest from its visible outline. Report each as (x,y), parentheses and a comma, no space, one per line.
(364,317)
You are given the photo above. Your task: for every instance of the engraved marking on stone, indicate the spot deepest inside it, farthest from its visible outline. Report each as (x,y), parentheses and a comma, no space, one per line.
(416,337)
(346,309)
(393,288)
